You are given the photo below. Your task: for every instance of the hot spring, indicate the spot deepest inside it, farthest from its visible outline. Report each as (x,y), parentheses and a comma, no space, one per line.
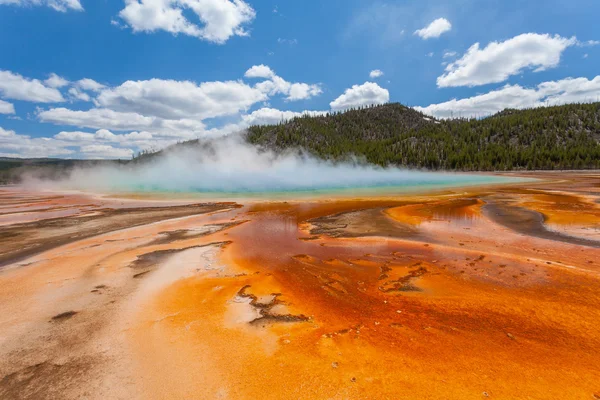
(230,167)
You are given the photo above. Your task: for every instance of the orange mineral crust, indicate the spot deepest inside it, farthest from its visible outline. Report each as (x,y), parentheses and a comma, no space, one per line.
(465,294)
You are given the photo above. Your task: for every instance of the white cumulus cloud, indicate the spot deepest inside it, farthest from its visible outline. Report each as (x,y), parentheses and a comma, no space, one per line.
(260,71)
(569,90)
(180,99)
(55,81)
(155,113)
(100,118)
(301,91)
(271,116)
(435,29)
(76,94)
(6,107)
(103,135)
(89,84)
(16,145)
(361,95)
(79,144)
(147,114)
(16,87)
(276,84)
(58,5)
(74,136)
(105,151)
(376,73)
(449,54)
(218,19)
(499,60)
(262,116)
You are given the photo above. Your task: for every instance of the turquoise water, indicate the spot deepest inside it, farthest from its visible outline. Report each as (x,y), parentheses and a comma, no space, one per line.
(236,169)
(241,171)
(418,182)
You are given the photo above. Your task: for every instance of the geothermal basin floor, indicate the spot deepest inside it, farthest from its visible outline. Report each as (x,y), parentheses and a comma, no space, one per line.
(466,293)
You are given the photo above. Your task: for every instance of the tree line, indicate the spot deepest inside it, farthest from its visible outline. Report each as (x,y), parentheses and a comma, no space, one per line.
(544,138)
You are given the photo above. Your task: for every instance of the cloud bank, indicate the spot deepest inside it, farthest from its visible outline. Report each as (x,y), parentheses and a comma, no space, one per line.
(144,114)
(569,90)
(499,60)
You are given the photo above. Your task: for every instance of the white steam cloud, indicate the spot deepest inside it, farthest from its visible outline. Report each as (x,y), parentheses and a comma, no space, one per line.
(230,165)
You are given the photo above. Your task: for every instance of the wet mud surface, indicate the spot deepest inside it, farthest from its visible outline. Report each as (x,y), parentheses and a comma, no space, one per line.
(361,223)
(22,240)
(529,222)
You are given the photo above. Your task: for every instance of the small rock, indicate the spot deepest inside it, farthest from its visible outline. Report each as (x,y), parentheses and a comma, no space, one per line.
(485,394)
(334,364)
(353,379)
(399,311)
(510,336)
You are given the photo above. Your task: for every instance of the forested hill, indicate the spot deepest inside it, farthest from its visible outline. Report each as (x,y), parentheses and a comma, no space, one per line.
(558,137)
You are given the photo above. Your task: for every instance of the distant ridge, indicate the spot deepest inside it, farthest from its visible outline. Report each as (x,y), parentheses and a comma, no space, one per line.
(544,138)
(558,137)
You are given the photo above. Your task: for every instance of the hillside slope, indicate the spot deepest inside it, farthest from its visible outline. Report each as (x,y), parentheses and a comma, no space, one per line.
(559,137)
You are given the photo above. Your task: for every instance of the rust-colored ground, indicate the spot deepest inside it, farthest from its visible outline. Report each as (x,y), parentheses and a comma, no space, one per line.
(465,294)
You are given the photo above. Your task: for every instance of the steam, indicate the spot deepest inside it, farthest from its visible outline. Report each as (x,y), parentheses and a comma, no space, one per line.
(230,165)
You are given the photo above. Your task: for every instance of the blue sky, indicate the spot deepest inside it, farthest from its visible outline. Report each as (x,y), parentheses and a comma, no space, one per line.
(139,74)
